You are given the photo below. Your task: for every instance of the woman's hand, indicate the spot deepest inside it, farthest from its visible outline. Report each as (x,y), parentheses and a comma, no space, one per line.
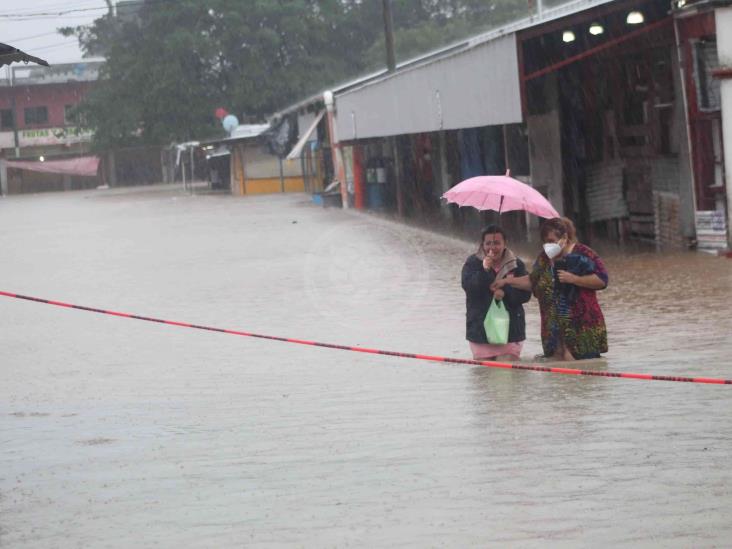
(499,284)
(565,277)
(498,294)
(488,262)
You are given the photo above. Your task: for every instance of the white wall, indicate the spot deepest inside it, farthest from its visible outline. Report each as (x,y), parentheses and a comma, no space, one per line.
(471,88)
(724,50)
(259,164)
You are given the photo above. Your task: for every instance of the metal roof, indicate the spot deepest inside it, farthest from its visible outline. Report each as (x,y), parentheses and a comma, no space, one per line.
(242,131)
(83,71)
(547,15)
(463,46)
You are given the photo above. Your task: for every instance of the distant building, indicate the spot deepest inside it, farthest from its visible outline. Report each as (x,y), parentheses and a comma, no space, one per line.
(38,122)
(249,165)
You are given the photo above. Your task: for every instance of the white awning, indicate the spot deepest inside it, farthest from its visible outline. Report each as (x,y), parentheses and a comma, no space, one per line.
(297,149)
(221,151)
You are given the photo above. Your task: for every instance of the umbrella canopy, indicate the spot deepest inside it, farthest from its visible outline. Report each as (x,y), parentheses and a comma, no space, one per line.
(9,54)
(500,193)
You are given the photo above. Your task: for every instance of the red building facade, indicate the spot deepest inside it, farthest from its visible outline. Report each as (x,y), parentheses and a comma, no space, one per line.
(39,123)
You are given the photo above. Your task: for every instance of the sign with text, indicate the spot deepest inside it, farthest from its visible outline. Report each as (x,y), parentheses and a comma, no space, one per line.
(53,136)
(711,230)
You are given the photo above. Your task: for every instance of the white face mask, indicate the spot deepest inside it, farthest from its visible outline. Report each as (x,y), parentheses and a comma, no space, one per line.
(552,249)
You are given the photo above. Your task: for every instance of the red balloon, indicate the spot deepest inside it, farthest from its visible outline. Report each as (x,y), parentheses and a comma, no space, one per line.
(221,113)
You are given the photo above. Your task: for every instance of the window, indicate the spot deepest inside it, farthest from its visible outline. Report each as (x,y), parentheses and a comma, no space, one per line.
(6,119)
(36,115)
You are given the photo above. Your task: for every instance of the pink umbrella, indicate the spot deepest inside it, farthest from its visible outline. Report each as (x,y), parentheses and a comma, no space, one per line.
(500,193)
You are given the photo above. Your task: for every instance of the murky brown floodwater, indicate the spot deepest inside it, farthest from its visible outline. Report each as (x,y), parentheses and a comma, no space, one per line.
(120,433)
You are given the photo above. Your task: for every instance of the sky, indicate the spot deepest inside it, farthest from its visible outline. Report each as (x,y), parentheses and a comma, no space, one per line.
(23,26)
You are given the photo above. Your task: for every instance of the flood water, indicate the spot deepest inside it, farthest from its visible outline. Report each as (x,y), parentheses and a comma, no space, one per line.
(122,433)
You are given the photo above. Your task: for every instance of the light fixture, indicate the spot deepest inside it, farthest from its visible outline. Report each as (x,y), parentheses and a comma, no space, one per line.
(635,18)
(568,36)
(42,158)
(680,3)
(596,28)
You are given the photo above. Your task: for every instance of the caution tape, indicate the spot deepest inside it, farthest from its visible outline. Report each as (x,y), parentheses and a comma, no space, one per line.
(486,363)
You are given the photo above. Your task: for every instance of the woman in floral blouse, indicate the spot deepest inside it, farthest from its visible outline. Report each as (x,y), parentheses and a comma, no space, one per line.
(565,279)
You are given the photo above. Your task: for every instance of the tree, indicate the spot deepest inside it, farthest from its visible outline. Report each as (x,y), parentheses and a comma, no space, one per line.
(171,63)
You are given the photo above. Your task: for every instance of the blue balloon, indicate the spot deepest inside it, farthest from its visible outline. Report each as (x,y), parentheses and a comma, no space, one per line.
(230,122)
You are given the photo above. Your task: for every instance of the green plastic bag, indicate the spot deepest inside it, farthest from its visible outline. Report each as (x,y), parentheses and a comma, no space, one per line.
(496,323)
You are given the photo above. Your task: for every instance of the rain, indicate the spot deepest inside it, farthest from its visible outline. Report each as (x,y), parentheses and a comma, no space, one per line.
(231,244)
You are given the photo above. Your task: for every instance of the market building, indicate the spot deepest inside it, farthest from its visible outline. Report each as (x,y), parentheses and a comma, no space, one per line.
(611,109)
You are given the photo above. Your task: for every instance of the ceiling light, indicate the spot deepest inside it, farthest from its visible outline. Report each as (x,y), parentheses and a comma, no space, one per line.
(635,18)
(568,36)
(42,158)
(596,28)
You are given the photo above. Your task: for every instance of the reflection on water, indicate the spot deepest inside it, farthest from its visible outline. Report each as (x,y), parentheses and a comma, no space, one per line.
(117,432)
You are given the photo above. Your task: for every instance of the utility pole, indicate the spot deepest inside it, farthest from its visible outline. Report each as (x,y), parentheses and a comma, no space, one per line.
(389,35)
(391,67)
(15,111)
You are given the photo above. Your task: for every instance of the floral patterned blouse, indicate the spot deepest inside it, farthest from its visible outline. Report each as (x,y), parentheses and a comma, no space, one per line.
(570,314)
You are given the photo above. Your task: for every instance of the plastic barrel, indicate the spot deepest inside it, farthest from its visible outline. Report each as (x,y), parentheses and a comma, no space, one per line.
(376,196)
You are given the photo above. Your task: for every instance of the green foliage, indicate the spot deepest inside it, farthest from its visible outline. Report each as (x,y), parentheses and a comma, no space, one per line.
(171,63)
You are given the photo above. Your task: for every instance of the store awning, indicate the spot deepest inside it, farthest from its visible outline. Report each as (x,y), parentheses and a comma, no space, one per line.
(85,166)
(220,151)
(297,149)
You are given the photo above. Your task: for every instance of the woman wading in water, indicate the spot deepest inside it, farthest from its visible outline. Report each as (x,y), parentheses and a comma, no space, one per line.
(492,262)
(565,280)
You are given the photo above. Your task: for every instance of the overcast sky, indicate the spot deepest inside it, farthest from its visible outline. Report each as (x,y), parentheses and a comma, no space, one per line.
(22,26)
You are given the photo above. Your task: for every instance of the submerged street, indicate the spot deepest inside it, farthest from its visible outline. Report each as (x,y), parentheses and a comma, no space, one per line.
(120,433)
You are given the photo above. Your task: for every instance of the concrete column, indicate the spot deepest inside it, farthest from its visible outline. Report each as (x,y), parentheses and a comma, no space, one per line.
(724,50)
(397,175)
(359,187)
(3,178)
(112,169)
(335,147)
(687,197)
(442,174)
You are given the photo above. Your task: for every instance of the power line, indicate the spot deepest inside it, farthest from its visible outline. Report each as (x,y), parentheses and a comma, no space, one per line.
(62,13)
(59,5)
(15,40)
(51,46)
(52,13)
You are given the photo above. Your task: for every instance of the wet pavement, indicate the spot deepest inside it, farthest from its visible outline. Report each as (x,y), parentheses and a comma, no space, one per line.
(120,433)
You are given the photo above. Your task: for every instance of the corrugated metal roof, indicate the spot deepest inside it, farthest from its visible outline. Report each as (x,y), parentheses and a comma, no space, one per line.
(548,15)
(455,48)
(473,83)
(242,131)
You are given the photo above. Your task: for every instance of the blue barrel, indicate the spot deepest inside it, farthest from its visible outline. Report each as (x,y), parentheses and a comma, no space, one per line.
(375,194)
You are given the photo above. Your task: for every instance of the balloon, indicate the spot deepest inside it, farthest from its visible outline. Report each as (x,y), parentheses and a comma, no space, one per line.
(221,112)
(230,122)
